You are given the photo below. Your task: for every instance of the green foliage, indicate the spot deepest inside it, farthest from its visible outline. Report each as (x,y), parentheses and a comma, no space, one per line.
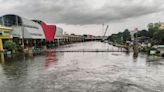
(150,25)
(142,33)
(10,45)
(19,48)
(152,28)
(155,33)
(120,37)
(126,36)
(159,36)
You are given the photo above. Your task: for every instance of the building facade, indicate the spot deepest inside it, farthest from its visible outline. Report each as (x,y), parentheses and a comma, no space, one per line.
(30,32)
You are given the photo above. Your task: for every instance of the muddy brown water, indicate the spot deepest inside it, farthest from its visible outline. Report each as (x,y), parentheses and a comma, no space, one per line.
(83,71)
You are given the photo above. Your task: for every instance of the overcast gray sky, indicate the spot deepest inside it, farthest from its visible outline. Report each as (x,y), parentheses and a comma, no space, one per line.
(87,16)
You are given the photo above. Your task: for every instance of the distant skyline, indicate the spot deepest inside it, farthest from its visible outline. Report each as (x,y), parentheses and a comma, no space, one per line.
(87,16)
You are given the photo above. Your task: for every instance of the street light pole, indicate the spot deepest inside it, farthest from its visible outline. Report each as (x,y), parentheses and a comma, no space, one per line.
(23,37)
(102,30)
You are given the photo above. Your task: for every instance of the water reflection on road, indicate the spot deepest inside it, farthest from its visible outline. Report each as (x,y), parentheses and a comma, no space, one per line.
(83,72)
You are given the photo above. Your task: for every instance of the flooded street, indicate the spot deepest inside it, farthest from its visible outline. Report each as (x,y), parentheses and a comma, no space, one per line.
(83,71)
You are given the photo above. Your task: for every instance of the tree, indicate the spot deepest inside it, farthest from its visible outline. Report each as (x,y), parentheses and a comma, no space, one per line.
(159,36)
(150,25)
(116,38)
(126,35)
(120,37)
(10,45)
(152,28)
(143,33)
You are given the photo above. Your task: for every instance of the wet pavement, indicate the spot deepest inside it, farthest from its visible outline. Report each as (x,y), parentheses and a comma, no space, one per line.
(83,71)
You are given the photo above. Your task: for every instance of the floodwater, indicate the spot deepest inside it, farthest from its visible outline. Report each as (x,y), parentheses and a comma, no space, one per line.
(82,71)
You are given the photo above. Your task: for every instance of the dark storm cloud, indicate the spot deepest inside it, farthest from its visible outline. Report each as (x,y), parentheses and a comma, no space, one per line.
(81,12)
